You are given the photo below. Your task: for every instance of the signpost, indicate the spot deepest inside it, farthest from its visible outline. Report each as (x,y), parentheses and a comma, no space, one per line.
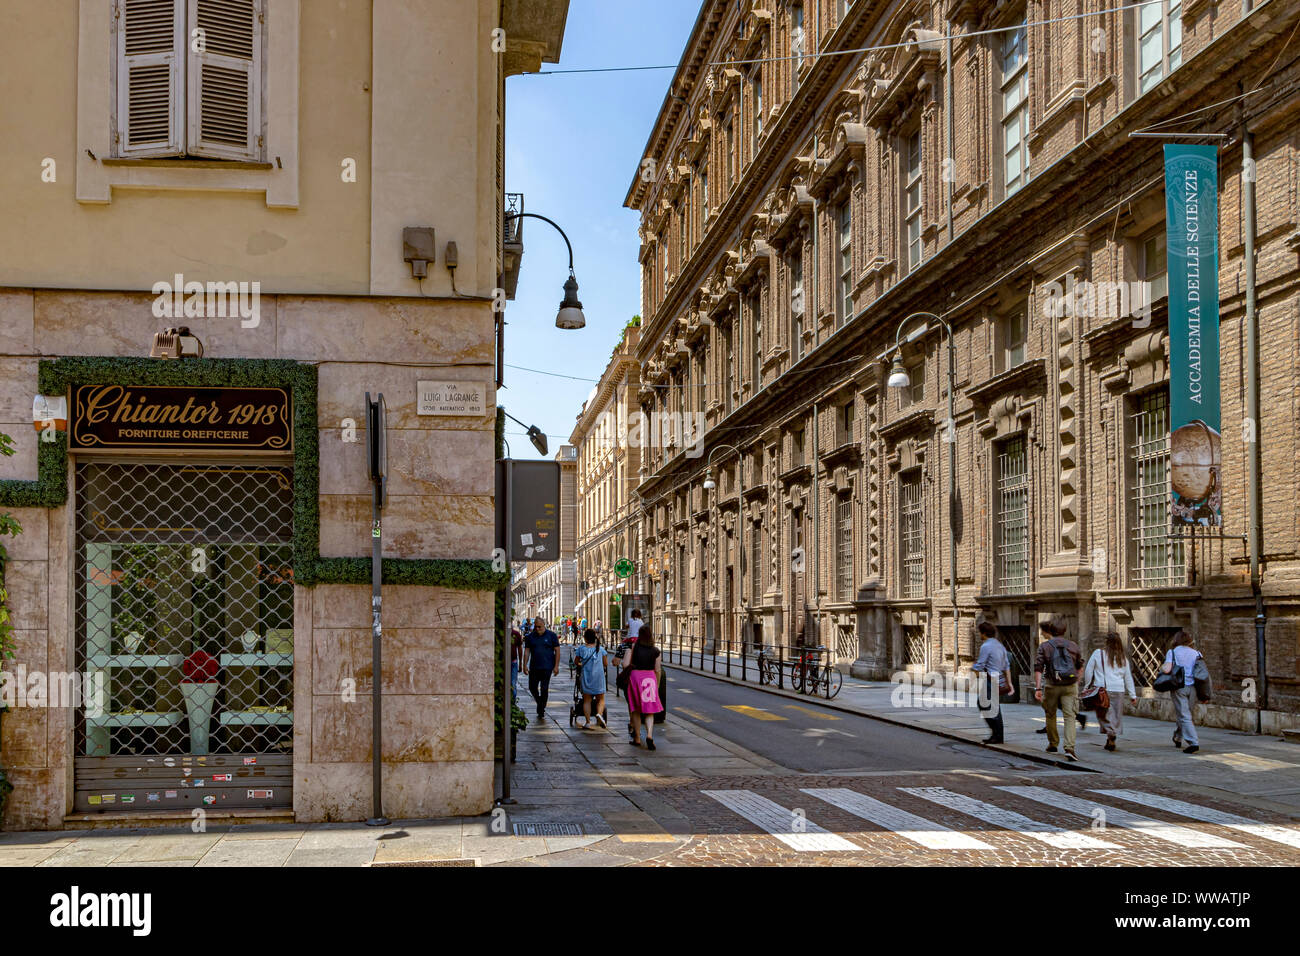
(376,420)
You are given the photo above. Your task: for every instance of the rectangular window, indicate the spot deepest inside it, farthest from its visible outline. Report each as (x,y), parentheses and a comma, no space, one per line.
(704,199)
(796,302)
(844,547)
(1153,266)
(912,200)
(1012,332)
(175,101)
(727,352)
(731,152)
(756,312)
(844,424)
(1158,558)
(757,100)
(797,448)
(1015,109)
(915,390)
(844,301)
(911,536)
(683,250)
(1013,518)
(755,562)
(797,43)
(1159,41)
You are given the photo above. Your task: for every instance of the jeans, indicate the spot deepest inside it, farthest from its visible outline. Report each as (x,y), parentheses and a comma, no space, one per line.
(514,680)
(1067,698)
(1183,699)
(539,685)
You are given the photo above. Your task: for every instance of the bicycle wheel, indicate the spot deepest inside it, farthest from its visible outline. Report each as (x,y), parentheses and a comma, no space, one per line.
(765,675)
(836,682)
(797,675)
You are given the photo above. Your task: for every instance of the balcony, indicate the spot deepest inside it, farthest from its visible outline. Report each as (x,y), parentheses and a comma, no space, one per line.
(512,243)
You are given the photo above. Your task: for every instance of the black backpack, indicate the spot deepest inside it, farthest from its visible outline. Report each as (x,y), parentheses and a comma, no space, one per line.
(1061,667)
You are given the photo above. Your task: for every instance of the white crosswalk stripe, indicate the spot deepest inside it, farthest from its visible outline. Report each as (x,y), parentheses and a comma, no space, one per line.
(1113,816)
(1010,820)
(936,836)
(791,828)
(1265,831)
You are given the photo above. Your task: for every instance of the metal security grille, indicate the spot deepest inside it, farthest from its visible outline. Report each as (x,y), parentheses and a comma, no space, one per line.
(1146,652)
(914,644)
(844,547)
(1015,638)
(1013,518)
(184,615)
(1159,559)
(846,643)
(912,537)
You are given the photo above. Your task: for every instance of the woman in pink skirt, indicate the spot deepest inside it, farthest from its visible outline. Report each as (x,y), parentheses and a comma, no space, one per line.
(644,670)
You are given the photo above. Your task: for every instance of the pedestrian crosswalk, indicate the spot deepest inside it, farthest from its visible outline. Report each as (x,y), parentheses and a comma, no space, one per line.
(1003,810)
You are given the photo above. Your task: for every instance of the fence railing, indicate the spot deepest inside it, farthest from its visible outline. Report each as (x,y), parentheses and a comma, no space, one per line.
(809,669)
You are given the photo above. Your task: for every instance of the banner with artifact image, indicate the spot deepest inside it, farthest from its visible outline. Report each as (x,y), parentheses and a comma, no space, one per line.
(1192,223)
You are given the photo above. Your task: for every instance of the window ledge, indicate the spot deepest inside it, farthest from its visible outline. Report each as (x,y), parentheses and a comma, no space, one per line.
(184,163)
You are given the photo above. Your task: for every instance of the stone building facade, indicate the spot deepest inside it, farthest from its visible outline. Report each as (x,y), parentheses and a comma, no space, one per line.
(819,174)
(220,595)
(609,441)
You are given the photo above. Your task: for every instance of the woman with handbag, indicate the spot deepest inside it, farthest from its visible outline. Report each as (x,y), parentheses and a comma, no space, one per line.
(1107,680)
(644,670)
(1178,676)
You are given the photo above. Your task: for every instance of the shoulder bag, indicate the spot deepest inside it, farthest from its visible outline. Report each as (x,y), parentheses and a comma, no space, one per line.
(1176,678)
(1097,697)
(1201,680)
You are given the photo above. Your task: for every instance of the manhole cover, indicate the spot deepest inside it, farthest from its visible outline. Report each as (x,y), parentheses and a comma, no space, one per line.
(473,862)
(548,829)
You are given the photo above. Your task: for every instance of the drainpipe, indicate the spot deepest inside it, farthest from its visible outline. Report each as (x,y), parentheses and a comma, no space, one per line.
(816,432)
(1253,463)
(948,133)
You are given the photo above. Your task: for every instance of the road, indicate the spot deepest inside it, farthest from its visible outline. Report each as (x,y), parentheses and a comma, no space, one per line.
(810,738)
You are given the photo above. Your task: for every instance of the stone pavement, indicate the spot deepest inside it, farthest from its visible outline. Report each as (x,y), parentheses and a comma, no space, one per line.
(1230,760)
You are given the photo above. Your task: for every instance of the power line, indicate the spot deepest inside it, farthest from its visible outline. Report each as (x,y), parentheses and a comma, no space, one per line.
(851,52)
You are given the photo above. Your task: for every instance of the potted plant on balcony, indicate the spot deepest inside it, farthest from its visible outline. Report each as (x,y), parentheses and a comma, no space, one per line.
(199,688)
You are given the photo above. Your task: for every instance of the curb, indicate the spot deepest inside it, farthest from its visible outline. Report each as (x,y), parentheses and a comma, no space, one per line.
(844,709)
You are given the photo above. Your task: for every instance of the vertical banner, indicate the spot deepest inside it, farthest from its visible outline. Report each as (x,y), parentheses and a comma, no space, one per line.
(1192,224)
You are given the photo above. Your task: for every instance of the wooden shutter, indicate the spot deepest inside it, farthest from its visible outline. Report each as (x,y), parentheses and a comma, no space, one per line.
(225,80)
(150,77)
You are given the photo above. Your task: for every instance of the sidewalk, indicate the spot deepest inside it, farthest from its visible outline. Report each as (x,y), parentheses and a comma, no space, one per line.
(1230,760)
(581,801)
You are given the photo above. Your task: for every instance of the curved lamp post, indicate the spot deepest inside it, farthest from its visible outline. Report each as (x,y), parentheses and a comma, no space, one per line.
(709,485)
(535,434)
(570,315)
(898,378)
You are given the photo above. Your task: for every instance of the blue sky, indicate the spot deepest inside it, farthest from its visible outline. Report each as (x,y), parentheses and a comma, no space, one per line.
(573,143)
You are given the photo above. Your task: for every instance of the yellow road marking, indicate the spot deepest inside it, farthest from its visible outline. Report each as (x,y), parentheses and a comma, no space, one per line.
(691,713)
(755,712)
(811,713)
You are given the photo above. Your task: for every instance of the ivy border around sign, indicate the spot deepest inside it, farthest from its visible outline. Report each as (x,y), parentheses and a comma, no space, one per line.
(50,489)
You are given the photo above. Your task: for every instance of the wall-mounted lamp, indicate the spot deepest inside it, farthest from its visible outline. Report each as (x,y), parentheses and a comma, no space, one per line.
(570,315)
(176,343)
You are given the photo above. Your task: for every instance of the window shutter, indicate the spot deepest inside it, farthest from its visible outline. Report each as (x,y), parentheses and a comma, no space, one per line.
(225,79)
(150,77)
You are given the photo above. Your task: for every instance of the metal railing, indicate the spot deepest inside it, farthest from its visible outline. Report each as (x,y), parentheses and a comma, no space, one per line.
(807,670)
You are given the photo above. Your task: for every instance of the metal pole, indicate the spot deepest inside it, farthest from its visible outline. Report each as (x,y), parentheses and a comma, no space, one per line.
(376,663)
(1253,464)
(952,495)
(507,703)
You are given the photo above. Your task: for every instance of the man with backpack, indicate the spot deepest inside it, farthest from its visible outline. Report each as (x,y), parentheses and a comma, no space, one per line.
(1060,662)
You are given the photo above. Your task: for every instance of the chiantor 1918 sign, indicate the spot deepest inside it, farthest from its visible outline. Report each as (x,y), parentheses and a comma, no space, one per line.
(144,416)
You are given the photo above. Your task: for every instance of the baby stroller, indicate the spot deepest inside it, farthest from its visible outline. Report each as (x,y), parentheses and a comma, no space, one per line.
(575,706)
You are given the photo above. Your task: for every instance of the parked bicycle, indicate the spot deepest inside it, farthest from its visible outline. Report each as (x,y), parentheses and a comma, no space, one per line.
(808,675)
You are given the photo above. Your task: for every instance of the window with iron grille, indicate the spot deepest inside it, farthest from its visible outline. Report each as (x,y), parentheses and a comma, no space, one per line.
(1013,517)
(1147,647)
(184,570)
(1020,650)
(911,536)
(755,562)
(844,547)
(1158,559)
(914,644)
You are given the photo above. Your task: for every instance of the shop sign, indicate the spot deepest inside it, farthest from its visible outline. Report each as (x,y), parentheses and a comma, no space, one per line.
(107,417)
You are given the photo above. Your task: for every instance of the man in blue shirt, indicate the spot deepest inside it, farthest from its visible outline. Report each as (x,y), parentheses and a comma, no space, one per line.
(541,661)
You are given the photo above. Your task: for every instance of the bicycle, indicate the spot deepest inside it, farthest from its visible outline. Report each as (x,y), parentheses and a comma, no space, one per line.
(809,676)
(767,668)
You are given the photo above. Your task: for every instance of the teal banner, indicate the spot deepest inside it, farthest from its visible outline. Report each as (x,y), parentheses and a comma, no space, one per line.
(1192,223)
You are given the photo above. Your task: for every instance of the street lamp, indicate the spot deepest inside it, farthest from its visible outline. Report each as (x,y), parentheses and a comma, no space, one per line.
(898,378)
(709,485)
(570,315)
(535,434)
